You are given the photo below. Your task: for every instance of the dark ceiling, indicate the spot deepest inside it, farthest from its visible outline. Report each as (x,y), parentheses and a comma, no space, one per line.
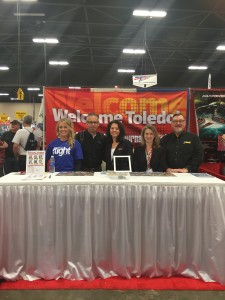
(92,34)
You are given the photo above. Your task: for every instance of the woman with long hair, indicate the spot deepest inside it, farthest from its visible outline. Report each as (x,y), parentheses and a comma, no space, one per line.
(116,144)
(65,149)
(149,156)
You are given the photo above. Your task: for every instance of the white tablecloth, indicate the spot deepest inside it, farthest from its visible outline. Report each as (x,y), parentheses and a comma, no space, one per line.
(95,226)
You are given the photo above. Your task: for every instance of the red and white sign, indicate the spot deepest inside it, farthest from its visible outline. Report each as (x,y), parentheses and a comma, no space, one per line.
(134,109)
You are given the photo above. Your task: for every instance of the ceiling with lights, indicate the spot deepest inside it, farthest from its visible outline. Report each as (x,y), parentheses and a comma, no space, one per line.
(91,37)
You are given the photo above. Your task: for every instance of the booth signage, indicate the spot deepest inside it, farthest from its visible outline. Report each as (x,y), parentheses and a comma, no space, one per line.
(20,114)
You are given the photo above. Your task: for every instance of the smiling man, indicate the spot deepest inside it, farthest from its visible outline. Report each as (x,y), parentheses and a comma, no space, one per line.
(93,144)
(184,151)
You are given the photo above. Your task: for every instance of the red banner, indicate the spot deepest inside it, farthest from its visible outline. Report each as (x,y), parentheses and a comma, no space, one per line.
(134,109)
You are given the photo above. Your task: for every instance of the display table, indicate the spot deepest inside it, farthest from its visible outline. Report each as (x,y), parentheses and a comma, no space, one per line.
(83,227)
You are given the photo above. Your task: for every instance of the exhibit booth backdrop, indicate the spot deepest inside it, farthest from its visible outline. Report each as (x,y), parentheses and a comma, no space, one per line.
(134,108)
(204,110)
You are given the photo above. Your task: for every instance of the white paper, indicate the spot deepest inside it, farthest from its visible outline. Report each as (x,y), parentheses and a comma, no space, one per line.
(35,163)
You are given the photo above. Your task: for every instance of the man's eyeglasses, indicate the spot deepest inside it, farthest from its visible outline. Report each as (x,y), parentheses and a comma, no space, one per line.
(92,122)
(178,121)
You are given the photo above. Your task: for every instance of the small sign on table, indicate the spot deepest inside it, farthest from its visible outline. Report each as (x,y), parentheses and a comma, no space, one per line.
(35,163)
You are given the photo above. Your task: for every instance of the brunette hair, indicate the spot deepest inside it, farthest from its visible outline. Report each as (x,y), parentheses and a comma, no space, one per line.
(156,140)
(121,129)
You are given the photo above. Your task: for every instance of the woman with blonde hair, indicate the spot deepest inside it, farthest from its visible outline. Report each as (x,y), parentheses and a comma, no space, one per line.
(65,149)
(149,156)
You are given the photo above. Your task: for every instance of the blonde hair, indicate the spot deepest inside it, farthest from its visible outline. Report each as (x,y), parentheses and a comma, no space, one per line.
(156,140)
(71,135)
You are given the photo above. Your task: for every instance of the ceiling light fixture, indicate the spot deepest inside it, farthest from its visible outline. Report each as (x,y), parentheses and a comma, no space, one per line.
(75,87)
(40,95)
(45,40)
(4,94)
(58,63)
(134,51)
(33,89)
(29,14)
(220,47)
(4,68)
(197,67)
(151,14)
(126,70)
(20,0)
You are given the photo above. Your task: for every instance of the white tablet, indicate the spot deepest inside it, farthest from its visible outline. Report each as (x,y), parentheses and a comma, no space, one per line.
(122,164)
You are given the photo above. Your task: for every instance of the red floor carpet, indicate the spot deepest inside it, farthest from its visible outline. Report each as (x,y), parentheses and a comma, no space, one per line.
(114,283)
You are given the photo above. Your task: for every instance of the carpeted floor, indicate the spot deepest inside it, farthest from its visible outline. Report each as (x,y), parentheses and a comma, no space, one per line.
(114,283)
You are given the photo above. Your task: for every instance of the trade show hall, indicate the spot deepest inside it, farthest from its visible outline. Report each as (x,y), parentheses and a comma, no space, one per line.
(112,150)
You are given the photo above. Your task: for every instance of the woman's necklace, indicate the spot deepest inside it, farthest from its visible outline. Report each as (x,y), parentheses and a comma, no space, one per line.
(148,157)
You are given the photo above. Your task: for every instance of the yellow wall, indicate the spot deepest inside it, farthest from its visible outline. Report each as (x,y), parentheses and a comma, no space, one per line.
(10,109)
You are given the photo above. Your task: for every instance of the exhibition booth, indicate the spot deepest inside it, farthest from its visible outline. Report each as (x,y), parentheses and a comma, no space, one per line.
(84,226)
(204,110)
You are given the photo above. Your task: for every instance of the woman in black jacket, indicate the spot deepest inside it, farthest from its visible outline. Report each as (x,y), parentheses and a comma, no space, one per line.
(116,144)
(149,156)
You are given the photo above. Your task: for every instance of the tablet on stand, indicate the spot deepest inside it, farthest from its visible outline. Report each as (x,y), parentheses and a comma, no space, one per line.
(122,166)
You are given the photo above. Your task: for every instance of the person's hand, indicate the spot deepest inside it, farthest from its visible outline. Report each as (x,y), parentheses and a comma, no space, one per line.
(170,170)
(3,145)
(183,170)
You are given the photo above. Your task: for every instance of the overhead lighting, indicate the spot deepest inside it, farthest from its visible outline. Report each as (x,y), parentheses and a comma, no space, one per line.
(220,47)
(33,89)
(20,0)
(126,71)
(4,68)
(40,95)
(157,14)
(197,67)
(74,87)
(151,14)
(45,40)
(4,94)
(133,51)
(13,99)
(58,63)
(29,14)
(141,13)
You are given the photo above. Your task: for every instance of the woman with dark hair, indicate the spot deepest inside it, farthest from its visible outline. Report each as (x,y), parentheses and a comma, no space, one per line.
(116,144)
(149,156)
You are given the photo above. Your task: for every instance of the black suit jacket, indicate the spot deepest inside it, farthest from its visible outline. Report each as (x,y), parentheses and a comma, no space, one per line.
(123,148)
(157,163)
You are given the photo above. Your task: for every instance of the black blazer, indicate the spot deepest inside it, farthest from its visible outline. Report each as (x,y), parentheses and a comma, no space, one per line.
(123,148)
(157,163)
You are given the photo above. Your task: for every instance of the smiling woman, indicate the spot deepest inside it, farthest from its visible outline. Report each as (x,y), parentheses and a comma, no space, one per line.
(116,144)
(149,156)
(66,151)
